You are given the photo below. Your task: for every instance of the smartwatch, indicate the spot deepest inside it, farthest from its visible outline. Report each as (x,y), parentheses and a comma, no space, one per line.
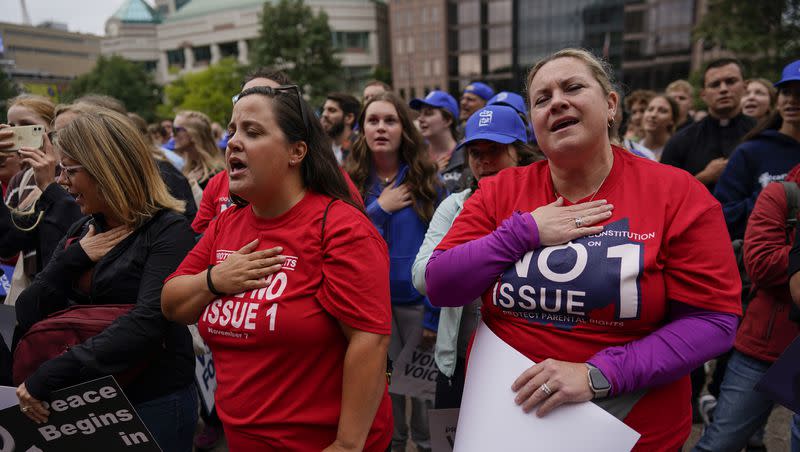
(598,382)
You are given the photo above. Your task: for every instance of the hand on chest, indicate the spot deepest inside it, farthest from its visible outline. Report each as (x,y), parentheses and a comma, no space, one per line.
(591,279)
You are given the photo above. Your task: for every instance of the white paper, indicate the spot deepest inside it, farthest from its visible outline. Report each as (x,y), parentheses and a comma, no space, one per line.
(490,420)
(8,397)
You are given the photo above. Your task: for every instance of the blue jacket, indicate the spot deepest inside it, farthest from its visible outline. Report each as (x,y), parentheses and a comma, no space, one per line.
(755,163)
(403,231)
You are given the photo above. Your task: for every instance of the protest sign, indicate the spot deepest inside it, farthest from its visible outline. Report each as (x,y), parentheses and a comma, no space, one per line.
(488,407)
(414,373)
(6,271)
(94,415)
(443,429)
(206,377)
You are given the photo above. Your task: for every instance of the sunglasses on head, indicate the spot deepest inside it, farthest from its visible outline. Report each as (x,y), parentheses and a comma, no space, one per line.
(178,129)
(282,89)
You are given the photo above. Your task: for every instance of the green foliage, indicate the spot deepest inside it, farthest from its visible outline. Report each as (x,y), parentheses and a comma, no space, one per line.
(292,38)
(8,90)
(125,80)
(763,34)
(383,74)
(208,91)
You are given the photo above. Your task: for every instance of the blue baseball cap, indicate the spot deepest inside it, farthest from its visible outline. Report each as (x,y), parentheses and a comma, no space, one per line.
(791,73)
(437,99)
(496,123)
(479,89)
(510,99)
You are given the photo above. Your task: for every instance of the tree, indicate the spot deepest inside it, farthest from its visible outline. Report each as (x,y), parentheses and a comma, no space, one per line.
(383,74)
(763,34)
(123,79)
(208,91)
(8,89)
(294,39)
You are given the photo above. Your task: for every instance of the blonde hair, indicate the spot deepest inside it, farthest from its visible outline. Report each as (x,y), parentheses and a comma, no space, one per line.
(114,153)
(599,69)
(42,106)
(773,93)
(681,85)
(208,158)
(45,110)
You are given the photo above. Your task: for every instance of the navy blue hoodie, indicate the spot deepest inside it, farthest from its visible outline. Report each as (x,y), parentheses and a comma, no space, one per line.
(755,163)
(403,231)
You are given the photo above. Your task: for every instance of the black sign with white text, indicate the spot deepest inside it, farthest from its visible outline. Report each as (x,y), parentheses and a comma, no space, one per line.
(90,416)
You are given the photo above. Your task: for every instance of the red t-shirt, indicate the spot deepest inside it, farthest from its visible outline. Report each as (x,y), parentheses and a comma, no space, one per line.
(216,198)
(666,240)
(279,352)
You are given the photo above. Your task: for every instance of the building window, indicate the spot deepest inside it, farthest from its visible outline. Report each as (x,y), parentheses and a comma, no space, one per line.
(469,39)
(175,57)
(202,55)
(351,41)
(469,12)
(469,64)
(227,49)
(500,11)
(434,14)
(437,68)
(426,68)
(500,62)
(634,22)
(500,38)
(398,45)
(150,66)
(403,93)
(410,44)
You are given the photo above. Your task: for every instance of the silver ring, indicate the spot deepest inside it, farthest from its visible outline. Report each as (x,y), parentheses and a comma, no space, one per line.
(579,222)
(25,409)
(545,389)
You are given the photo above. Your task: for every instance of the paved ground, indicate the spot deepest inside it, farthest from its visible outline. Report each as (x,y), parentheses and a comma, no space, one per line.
(776,438)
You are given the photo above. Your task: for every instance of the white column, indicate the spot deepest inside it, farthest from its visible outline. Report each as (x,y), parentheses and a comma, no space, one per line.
(243,56)
(215,55)
(163,67)
(188,57)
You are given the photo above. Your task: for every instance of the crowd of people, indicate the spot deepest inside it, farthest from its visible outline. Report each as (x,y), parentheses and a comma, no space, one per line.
(597,235)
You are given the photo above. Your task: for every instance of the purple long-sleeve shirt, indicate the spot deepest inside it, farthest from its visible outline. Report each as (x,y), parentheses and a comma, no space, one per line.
(690,336)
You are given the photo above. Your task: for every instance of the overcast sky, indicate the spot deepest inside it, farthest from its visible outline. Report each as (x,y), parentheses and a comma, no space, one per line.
(86,16)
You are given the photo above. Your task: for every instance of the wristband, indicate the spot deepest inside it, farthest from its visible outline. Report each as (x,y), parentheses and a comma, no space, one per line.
(210,285)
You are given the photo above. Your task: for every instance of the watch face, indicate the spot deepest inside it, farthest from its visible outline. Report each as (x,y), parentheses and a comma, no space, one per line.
(598,380)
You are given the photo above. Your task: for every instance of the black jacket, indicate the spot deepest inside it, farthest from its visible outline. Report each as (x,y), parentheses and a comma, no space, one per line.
(132,272)
(178,187)
(58,210)
(693,147)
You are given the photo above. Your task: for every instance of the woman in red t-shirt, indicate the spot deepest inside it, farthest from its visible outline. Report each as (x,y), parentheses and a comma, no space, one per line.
(625,303)
(290,290)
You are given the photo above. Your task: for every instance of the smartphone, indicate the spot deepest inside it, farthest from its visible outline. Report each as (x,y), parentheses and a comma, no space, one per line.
(25,137)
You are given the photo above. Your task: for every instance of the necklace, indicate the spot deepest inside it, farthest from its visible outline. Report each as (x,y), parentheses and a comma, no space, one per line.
(597,190)
(387,180)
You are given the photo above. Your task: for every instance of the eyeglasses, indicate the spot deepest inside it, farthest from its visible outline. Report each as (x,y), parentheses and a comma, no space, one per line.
(68,171)
(177,129)
(283,89)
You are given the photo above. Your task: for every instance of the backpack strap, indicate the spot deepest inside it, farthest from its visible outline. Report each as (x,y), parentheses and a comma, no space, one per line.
(792,206)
